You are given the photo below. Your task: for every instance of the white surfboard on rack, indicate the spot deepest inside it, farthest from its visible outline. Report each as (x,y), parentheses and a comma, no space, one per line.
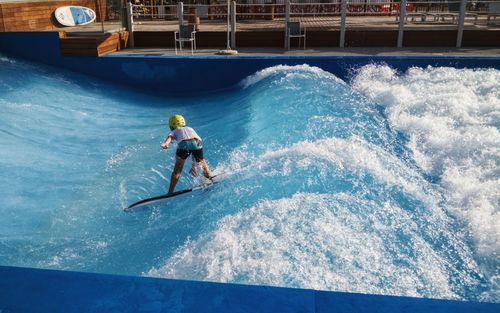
(74,15)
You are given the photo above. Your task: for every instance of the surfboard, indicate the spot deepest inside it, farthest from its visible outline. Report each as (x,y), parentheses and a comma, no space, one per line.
(72,15)
(156,199)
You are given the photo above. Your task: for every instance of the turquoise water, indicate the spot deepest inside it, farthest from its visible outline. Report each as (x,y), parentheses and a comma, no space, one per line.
(387,184)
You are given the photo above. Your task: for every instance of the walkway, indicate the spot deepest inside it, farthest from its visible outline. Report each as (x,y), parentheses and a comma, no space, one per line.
(250,52)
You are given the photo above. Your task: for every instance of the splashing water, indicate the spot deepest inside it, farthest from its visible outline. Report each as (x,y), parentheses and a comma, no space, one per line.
(387,185)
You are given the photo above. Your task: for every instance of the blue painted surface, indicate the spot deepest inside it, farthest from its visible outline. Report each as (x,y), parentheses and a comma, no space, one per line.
(36,290)
(184,74)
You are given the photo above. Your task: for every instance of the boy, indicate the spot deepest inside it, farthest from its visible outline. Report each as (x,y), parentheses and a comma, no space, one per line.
(188,143)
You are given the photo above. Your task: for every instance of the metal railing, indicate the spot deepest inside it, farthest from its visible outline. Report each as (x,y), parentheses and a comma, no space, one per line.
(333,15)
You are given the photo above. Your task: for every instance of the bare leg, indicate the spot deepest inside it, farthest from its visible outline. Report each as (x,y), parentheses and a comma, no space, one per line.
(176,174)
(193,171)
(205,169)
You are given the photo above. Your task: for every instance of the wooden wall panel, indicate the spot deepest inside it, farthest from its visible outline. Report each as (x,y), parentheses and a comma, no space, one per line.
(2,28)
(38,15)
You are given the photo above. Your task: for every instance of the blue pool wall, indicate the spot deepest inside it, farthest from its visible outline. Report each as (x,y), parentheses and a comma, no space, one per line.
(36,290)
(187,74)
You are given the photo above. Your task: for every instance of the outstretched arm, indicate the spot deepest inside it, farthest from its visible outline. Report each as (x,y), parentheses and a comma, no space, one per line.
(167,142)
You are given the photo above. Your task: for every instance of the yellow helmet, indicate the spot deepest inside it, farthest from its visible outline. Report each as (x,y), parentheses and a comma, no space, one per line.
(176,121)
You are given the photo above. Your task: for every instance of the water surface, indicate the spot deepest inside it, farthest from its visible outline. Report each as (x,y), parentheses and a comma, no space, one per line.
(385,184)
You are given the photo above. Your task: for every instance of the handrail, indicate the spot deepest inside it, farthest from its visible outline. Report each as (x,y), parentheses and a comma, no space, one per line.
(268,11)
(336,11)
(354,8)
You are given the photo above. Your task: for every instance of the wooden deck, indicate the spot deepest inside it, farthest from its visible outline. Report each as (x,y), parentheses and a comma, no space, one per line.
(99,38)
(360,51)
(361,31)
(311,23)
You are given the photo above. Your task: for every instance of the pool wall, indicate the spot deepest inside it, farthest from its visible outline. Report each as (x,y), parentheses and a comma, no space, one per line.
(185,74)
(35,290)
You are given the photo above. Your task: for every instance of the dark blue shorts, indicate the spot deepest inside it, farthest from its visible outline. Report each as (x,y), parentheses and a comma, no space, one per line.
(186,147)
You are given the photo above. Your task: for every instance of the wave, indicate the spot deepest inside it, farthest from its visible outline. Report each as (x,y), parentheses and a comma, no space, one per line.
(452,119)
(296,71)
(363,240)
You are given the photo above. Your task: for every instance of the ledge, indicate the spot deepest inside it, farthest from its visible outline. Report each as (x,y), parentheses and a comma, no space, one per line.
(36,290)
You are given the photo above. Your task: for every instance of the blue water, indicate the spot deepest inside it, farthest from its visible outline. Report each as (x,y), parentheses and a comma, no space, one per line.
(385,184)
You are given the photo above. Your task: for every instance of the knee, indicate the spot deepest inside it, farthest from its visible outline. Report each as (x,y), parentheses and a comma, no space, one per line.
(176,174)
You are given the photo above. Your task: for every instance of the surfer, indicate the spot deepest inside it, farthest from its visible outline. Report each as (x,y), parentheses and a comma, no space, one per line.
(188,143)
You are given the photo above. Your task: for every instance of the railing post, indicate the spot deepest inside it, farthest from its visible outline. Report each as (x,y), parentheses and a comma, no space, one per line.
(402,14)
(233,25)
(461,22)
(287,19)
(343,15)
(180,13)
(130,24)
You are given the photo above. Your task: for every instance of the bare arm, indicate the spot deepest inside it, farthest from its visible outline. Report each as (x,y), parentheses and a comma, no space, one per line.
(167,142)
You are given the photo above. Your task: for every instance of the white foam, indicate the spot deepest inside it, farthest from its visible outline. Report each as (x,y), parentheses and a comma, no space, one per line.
(351,155)
(451,117)
(332,241)
(304,71)
(315,241)
(6,59)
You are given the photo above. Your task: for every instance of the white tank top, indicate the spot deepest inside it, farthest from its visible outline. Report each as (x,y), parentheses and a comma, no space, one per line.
(184,133)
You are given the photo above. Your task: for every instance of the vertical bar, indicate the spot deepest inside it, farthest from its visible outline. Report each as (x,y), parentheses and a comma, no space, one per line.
(228,31)
(100,15)
(130,24)
(233,24)
(287,19)
(343,15)
(402,14)
(461,22)
(180,13)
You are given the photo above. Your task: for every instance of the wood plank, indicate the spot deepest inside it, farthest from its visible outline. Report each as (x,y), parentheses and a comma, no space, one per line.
(75,51)
(72,45)
(83,49)
(107,50)
(29,10)
(12,14)
(86,50)
(2,27)
(89,46)
(18,22)
(80,54)
(20,5)
(36,15)
(109,45)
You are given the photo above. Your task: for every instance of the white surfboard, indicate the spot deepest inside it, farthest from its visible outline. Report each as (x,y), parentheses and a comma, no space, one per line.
(74,15)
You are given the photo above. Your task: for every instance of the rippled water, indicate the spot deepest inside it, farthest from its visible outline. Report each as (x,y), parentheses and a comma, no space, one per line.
(387,184)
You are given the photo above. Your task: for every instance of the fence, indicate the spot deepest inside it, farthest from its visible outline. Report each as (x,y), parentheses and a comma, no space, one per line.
(333,15)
